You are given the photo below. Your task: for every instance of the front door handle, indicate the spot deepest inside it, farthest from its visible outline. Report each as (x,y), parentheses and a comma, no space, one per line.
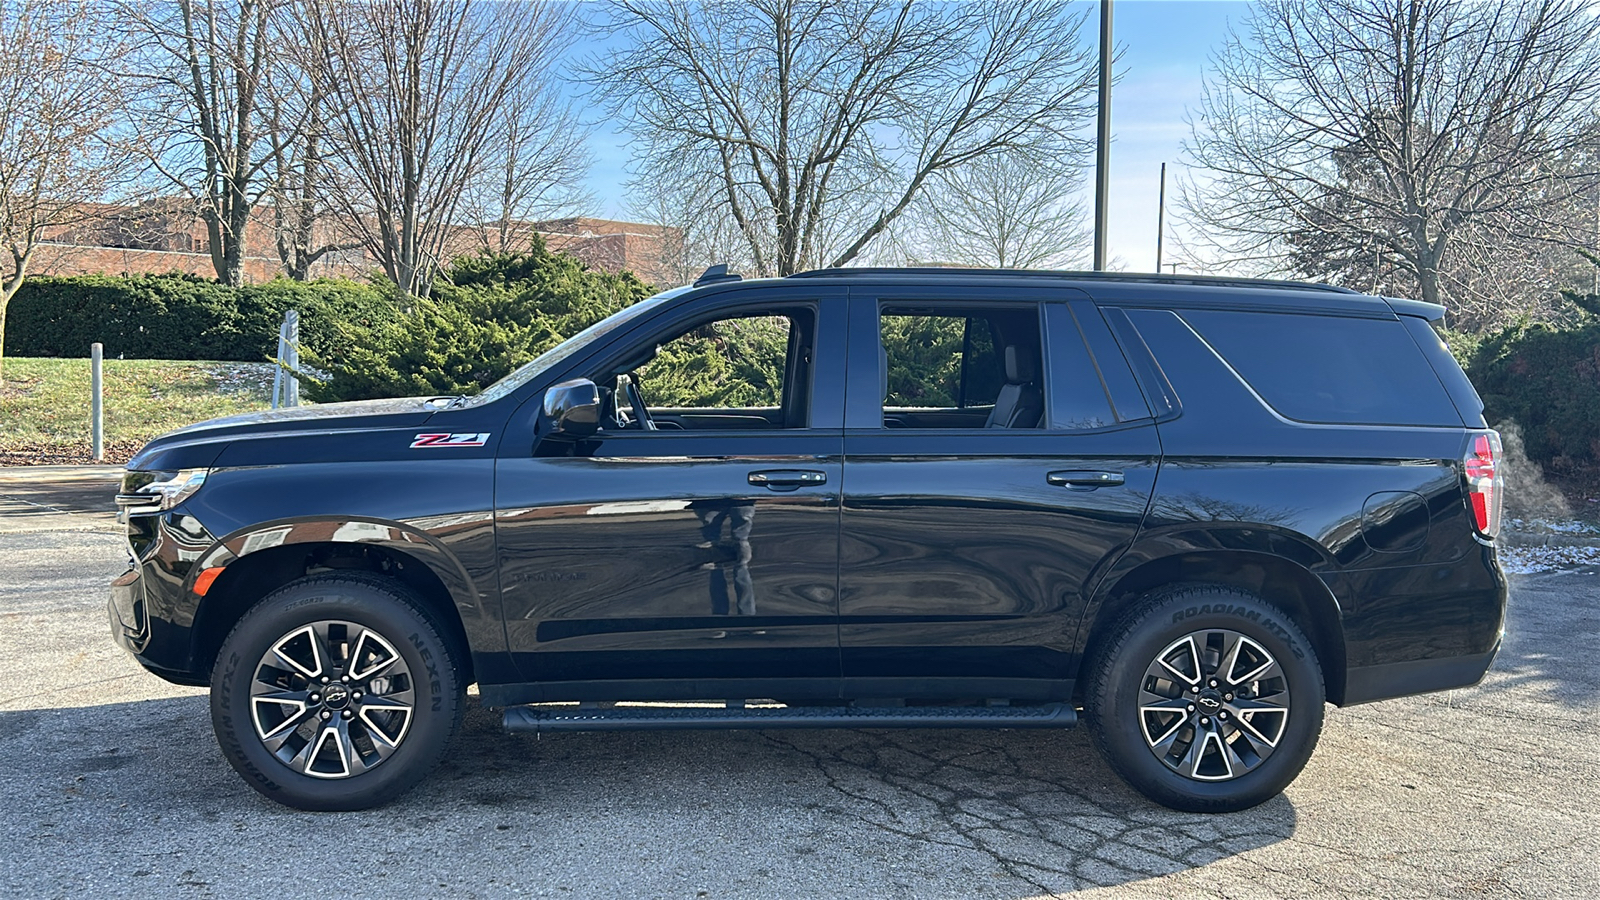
(787,479)
(1084,480)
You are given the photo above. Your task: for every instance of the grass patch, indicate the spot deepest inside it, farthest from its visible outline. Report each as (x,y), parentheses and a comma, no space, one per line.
(44,403)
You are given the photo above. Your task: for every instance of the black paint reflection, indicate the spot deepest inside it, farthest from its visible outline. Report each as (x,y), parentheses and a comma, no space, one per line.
(732,591)
(651,566)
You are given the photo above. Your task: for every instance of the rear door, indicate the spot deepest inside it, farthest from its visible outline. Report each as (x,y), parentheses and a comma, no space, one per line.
(974,528)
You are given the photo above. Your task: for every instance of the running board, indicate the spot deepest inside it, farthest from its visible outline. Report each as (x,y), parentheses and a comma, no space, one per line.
(679,718)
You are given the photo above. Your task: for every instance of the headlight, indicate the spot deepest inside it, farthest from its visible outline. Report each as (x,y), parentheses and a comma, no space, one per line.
(155,491)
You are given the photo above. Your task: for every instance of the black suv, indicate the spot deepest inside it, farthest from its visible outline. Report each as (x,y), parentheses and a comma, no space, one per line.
(1192,509)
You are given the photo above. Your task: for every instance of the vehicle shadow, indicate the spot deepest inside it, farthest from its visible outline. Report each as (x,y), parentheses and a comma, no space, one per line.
(943,813)
(1548,646)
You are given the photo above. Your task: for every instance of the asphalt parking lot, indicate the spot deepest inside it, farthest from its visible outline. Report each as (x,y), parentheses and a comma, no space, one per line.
(113,786)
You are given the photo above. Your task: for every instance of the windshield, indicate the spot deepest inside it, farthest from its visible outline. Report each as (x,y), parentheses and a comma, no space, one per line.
(560,352)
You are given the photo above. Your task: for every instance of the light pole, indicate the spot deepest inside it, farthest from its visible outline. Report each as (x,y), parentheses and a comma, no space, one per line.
(1102,154)
(1161,216)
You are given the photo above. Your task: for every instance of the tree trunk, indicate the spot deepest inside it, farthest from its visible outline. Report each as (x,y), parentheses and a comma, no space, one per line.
(5,301)
(9,286)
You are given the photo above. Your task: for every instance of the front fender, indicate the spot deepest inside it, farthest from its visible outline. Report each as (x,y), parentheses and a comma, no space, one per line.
(407,539)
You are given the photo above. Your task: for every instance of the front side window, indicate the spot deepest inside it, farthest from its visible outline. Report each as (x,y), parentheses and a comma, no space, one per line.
(738,371)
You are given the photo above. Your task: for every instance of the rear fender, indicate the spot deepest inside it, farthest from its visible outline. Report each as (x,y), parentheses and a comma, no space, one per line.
(1272,562)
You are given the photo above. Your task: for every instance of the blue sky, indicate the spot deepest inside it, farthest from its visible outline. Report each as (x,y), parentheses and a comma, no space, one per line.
(1165,46)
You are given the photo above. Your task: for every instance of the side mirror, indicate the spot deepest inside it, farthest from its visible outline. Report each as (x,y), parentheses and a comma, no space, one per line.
(572,410)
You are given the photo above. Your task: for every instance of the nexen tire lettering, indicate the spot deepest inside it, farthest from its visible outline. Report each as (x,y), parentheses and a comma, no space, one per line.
(434,682)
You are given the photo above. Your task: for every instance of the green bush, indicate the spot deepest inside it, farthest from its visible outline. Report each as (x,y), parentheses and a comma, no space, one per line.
(180,316)
(726,364)
(1546,379)
(486,316)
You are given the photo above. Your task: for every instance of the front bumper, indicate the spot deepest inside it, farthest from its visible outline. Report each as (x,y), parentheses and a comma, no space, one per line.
(130,624)
(149,619)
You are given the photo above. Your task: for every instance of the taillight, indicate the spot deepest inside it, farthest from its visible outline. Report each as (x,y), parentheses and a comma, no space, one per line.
(1485,483)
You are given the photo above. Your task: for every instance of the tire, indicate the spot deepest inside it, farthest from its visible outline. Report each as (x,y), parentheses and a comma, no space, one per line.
(336,692)
(1148,705)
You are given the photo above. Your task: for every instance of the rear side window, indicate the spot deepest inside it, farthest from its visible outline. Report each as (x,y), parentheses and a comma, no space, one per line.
(1329,369)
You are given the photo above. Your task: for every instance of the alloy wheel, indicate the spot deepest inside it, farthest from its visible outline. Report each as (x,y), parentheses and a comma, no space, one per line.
(1213,705)
(331,699)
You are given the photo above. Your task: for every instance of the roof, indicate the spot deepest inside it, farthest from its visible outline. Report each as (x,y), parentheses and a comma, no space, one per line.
(1133,288)
(943,272)
(1163,290)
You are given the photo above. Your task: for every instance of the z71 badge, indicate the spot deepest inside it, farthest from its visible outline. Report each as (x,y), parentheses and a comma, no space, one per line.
(451,440)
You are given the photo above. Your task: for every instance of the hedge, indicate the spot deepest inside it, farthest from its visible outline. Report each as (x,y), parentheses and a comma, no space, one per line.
(181,316)
(485,316)
(1547,380)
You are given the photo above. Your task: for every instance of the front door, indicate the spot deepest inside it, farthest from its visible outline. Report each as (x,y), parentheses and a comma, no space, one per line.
(988,476)
(694,543)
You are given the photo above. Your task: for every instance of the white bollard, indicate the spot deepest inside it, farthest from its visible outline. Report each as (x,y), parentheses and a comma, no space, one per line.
(291,328)
(277,365)
(97,425)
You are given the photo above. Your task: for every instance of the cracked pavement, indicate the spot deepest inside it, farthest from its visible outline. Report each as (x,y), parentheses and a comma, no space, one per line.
(112,785)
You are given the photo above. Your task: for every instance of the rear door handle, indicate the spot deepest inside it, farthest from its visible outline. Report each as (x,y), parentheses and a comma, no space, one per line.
(1084,480)
(788,479)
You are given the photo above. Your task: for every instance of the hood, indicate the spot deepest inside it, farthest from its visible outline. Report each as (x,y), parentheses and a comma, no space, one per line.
(200,443)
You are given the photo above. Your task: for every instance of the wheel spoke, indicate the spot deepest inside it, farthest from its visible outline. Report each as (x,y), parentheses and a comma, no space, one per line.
(1258,672)
(1232,643)
(370,645)
(1194,660)
(276,738)
(1152,713)
(1190,764)
(1210,738)
(313,644)
(292,705)
(1230,757)
(335,733)
(1272,703)
(1258,741)
(372,703)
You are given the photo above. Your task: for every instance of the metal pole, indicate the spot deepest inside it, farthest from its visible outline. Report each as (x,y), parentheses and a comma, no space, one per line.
(97,424)
(291,325)
(1102,152)
(1161,216)
(277,367)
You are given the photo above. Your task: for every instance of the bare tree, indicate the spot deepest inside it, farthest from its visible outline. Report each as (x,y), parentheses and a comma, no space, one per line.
(201,68)
(813,126)
(416,92)
(536,170)
(696,235)
(297,115)
(57,115)
(1409,133)
(1008,210)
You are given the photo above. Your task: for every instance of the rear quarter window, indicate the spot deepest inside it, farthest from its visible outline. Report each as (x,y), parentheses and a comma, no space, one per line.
(1329,369)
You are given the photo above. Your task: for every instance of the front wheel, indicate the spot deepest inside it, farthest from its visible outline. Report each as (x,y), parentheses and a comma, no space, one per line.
(1206,699)
(336,692)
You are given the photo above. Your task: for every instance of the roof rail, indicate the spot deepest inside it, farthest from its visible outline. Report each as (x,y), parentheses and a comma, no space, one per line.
(716,274)
(1110,277)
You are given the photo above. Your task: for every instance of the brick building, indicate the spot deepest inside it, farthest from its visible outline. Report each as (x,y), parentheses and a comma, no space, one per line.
(165,235)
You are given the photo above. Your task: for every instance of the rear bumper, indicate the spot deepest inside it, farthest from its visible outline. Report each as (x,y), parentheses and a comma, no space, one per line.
(1402,679)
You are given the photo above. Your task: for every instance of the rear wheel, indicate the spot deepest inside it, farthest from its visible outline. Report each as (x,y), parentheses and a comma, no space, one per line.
(335,692)
(1206,699)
